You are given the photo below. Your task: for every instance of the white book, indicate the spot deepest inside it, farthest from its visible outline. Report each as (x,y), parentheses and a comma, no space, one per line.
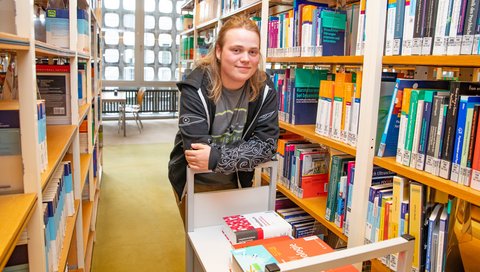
(401,138)
(348,120)
(408,25)
(417,133)
(440,40)
(361,29)
(337,118)
(390,28)
(454,41)
(354,122)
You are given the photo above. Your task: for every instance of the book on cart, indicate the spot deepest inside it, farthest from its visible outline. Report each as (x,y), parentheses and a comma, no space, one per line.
(266,257)
(254,226)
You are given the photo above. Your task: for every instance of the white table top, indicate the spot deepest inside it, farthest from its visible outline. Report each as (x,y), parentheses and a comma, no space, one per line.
(212,248)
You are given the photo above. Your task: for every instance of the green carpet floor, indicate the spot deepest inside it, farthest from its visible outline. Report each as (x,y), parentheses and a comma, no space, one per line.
(138,224)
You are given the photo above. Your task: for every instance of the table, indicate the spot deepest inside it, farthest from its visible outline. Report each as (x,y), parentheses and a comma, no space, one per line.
(120,98)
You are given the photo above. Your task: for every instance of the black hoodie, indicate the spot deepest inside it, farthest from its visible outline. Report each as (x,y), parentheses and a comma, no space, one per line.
(258,144)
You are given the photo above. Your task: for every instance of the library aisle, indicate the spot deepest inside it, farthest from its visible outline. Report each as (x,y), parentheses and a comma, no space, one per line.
(138,224)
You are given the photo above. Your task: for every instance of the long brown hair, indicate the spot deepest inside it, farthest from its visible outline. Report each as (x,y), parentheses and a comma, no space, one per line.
(212,64)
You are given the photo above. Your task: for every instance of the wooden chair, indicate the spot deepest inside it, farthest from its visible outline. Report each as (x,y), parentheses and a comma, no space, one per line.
(135,109)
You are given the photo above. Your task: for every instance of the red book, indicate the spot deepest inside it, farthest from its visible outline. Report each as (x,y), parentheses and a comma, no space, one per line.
(296,249)
(44,68)
(475,178)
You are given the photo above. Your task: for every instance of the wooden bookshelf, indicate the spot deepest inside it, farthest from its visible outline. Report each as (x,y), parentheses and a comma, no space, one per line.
(10,42)
(85,160)
(308,132)
(15,212)
(82,112)
(247,9)
(462,60)
(48,50)
(378,266)
(448,186)
(70,226)
(318,60)
(87,209)
(207,24)
(58,141)
(89,251)
(314,206)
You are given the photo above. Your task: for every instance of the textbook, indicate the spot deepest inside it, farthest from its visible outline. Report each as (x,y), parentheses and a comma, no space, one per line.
(254,226)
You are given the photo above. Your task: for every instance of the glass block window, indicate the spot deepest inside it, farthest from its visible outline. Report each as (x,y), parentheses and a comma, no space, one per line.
(122,41)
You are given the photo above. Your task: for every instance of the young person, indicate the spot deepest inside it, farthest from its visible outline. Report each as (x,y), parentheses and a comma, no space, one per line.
(228,119)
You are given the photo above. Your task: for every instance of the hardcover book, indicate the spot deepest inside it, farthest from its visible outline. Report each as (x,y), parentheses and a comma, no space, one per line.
(254,226)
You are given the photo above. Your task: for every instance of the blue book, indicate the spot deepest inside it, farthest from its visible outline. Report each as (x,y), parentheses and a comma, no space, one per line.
(334,24)
(465,102)
(305,95)
(433,222)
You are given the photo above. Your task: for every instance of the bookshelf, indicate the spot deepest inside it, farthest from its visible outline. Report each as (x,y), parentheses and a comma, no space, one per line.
(25,211)
(15,211)
(372,64)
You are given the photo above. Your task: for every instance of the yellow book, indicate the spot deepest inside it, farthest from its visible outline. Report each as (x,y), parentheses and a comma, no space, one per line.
(337,111)
(417,202)
(353,130)
(402,130)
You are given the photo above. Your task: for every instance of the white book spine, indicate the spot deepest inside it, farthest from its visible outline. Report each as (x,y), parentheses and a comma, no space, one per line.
(337,119)
(354,123)
(408,24)
(401,138)
(475,180)
(390,29)
(348,120)
(319,119)
(454,41)
(417,133)
(440,41)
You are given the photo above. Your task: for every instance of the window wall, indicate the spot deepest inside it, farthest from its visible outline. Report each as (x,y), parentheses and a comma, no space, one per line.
(136,30)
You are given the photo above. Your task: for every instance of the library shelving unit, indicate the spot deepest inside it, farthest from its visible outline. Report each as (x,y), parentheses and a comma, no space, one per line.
(19,212)
(372,64)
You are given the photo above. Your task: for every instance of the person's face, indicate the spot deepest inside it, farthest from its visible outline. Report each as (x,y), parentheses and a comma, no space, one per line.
(239,57)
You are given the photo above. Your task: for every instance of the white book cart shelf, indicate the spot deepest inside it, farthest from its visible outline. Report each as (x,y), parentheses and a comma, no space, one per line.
(208,249)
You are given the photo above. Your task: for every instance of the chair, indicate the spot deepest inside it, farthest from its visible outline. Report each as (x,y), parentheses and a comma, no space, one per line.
(134,109)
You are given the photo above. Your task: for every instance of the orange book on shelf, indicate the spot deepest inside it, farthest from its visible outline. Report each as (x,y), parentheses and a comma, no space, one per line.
(475,177)
(296,249)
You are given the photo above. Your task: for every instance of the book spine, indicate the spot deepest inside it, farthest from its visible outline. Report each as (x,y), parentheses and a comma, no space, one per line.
(355,117)
(409,134)
(417,202)
(453,48)
(440,138)
(398,32)
(476,39)
(466,172)
(469,28)
(337,111)
(431,18)
(361,29)
(450,128)
(408,26)
(432,136)
(458,143)
(392,114)
(403,125)
(418,129)
(425,129)
(390,27)
(475,177)
(418,30)
(440,40)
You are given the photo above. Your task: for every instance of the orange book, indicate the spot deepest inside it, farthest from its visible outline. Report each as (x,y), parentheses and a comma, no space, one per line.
(296,249)
(475,177)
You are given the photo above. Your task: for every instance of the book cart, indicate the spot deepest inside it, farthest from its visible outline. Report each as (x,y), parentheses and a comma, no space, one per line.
(19,212)
(208,249)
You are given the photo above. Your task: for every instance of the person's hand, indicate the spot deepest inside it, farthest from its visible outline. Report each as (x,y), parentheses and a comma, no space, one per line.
(197,158)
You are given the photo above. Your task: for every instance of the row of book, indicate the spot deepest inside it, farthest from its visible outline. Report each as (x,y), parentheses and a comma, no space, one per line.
(309,29)
(58,204)
(11,164)
(427,27)
(433,126)
(330,101)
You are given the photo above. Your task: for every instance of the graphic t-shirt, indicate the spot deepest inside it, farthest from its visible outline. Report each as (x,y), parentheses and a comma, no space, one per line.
(227,128)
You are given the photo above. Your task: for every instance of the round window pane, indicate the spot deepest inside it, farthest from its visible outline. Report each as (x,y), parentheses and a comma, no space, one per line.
(111,73)
(129,4)
(111,19)
(164,57)
(149,39)
(111,4)
(149,73)
(111,37)
(149,56)
(165,40)
(149,22)
(128,73)
(129,20)
(165,23)
(164,74)
(111,55)
(129,56)
(149,5)
(129,38)
(165,6)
